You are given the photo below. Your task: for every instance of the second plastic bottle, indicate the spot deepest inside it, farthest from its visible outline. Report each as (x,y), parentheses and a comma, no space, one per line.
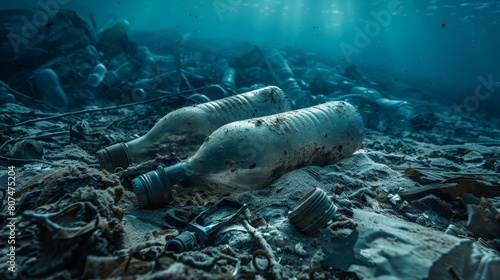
(253,153)
(185,129)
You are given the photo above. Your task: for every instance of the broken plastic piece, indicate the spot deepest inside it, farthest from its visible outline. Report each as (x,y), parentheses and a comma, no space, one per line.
(206,224)
(67,223)
(181,217)
(61,236)
(27,149)
(252,153)
(454,231)
(312,212)
(190,126)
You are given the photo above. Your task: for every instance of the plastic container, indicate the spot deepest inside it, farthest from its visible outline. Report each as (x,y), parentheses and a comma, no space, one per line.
(47,86)
(252,153)
(96,77)
(185,129)
(283,74)
(228,79)
(395,115)
(312,212)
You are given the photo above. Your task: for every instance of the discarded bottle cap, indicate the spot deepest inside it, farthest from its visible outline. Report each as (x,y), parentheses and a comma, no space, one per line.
(113,157)
(312,212)
(182,242)
(27,149)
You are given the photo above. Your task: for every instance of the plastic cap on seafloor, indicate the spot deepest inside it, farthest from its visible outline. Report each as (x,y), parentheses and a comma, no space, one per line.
(182,242)
(312,212)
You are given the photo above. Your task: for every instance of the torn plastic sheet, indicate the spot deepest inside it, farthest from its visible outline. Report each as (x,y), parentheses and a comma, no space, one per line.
(382,248)
(466,261)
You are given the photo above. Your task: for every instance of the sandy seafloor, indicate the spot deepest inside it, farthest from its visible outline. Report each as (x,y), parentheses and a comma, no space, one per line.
(436,173)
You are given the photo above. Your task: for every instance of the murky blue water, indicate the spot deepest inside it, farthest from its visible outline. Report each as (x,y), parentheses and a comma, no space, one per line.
(441,47)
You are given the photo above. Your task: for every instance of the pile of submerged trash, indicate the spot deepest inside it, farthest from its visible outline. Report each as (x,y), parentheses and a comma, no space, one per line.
(164,156)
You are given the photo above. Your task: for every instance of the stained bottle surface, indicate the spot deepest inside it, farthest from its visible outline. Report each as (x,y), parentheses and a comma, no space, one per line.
(185,129)
(252,153)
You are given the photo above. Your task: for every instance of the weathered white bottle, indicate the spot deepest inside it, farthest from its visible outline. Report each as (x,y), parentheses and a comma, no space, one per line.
(252,153)
(185,129)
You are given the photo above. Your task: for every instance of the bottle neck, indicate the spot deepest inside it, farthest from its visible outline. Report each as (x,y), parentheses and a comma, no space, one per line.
(177,173)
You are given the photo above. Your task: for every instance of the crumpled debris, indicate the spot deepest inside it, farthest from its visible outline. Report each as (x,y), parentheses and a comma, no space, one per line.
(484,220)
(338,247)
(465,261)
(82,131)
(27,149)
(61,236)
(450,185)
(380,247)
(104,267)
(435,204)
(46,189)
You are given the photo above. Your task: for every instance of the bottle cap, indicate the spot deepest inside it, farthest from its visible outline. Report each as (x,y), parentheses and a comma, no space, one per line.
(153,188)
(113,157)
(312,211)
(182,242)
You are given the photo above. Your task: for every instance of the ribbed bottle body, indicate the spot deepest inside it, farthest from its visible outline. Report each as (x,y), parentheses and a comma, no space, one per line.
(253,153)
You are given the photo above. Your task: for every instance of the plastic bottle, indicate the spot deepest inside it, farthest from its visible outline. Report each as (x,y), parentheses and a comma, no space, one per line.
(215,91)
(252,153)
(164,80)
(117,32)
(96,77)
(396,114)
(283,74)
(48,87)
(120,75)
(228,78)
(185,129)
